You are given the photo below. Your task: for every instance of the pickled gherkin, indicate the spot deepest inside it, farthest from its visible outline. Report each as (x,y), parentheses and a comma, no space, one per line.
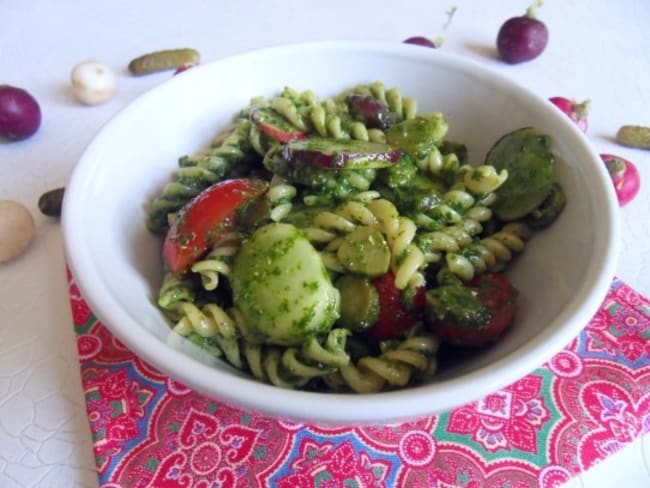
(634,136)
(163,60)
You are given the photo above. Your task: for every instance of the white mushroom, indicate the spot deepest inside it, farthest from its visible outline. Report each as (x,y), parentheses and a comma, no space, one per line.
(93,82)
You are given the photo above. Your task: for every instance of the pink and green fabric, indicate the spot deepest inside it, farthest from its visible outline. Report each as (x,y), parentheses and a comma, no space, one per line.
(590,400)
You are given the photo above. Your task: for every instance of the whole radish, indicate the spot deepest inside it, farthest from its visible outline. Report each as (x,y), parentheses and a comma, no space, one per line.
(577,111)
(625,177)
(20,114)
(424,41)
(522,38)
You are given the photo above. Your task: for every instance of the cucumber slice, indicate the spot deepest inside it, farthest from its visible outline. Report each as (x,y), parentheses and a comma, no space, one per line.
(282,287)
(359,303)
(417,136)
(549,210)
(525,153)
(365,251)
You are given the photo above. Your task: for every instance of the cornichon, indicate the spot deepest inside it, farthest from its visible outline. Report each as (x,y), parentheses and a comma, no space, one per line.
(162,60)
(634,136)
(359,303)
(526,154)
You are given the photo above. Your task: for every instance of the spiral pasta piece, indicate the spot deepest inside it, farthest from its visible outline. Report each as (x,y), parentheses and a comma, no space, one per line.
(217,261)
(394,367)
(399,231)
(279,197)
(484,179)
(450,239)
(214,324)
(197,172)
(403,108)
(307,113)
(352,185)
(175,289)
(292,367)
(491,253)
(287,367)
(407,258)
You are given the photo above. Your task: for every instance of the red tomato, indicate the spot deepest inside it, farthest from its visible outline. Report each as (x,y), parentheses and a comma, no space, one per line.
(204,218)
(498,299)
(395,319)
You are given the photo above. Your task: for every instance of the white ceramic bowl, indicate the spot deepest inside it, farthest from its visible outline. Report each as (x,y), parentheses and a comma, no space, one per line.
(563,275)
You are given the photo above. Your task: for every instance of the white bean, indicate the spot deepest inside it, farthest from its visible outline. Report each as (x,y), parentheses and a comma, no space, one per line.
(16,229)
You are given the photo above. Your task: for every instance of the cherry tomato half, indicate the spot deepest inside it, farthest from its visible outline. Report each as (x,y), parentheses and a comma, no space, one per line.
(205,218)
(474,314)
(395,317)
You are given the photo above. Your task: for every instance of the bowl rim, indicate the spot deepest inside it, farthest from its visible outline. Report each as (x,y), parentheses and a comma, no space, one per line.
(338,408)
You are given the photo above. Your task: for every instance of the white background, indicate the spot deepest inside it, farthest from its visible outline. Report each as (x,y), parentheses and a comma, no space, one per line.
(598,49)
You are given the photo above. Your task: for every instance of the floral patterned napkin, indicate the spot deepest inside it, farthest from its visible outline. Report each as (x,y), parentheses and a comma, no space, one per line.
(586,403)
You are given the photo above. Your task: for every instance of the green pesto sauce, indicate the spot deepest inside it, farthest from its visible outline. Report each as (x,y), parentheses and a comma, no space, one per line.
(457,304)
(416,136)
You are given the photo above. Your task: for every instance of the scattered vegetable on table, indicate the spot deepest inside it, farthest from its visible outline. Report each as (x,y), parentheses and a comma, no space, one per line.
(163,60)
(625,176)
(16,229)
(522,38)
(183,67)
(576,111)
(20,113)
(434,42)
(93,83)
(634,136)
(50,202)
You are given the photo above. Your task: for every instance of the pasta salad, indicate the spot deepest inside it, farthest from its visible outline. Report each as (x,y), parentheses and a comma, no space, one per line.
(336,244)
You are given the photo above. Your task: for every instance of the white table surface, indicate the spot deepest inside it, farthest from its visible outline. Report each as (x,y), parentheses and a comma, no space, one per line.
(598,49)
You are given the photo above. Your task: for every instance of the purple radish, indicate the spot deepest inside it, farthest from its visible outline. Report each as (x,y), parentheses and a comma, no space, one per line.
(522,38)
(424,41)
(434,42)
(577,111)
(625,177)
(20,114)
(372,112)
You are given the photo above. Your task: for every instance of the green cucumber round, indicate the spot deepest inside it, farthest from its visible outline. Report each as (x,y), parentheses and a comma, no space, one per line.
(359,303)
(282,287)
(526,154)
(365,251)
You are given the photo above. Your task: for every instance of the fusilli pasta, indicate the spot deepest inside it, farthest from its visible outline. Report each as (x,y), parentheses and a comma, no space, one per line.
(422,222)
